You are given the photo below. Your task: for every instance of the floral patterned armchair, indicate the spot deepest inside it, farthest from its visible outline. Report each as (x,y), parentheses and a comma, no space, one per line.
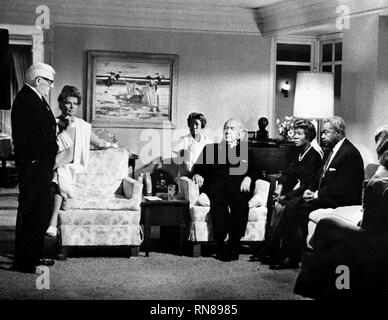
(106,211)
(201,230)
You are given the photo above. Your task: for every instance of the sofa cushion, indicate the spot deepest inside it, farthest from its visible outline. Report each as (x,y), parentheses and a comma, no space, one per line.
(101,235)
(201,224)
(351,213)
(105,172)
(257,214)
(98,217)
(199,213)
(201,231)
(318,214)
(260,194)
(255,231)
(114,202)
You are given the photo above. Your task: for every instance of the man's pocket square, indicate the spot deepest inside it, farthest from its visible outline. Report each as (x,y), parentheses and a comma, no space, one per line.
(332,169)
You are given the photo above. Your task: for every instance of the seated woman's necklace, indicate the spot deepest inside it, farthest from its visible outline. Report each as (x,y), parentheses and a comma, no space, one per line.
(302,156)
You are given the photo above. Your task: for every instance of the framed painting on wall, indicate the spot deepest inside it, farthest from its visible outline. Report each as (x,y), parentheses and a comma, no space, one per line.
(133,90)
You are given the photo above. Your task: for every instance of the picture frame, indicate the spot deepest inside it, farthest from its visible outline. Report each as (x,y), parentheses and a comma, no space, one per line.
(131,89)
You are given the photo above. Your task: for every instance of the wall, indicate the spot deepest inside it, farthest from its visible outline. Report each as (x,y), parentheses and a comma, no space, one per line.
(365,81)
(219,75)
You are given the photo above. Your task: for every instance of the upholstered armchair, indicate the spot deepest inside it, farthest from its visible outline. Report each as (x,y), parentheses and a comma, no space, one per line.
(201,230)
(106,210)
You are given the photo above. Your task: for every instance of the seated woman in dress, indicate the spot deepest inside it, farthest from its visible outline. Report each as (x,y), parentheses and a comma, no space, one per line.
(298,175)
(190,146)
(74,139)
(363,247)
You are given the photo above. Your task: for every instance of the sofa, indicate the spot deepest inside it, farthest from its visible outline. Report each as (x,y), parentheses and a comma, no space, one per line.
(200,229)
(106,210)
(352,214)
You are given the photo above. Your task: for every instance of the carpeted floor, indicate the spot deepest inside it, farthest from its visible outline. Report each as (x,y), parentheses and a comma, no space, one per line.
(160,276)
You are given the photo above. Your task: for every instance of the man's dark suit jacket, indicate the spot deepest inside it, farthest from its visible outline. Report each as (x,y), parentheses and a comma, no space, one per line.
(343,180)
(33,128)
(221,166)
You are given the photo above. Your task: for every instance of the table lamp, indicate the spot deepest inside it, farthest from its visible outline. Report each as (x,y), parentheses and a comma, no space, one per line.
(314,96)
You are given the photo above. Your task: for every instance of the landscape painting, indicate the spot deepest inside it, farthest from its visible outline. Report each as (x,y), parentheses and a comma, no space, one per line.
(131,89)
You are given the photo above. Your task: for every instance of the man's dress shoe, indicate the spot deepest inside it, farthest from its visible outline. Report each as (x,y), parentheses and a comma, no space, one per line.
(263,255)
(44,262)
(228,256)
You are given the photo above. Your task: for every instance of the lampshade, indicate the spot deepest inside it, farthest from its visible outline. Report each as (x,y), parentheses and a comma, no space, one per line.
(314,95)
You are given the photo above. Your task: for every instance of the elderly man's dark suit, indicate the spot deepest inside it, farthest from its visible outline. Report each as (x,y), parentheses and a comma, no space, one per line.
(216,165)
(339,185)
(35,148)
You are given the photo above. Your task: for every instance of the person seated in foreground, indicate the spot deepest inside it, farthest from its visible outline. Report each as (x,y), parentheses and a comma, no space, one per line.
(221,172)
(74,139)
(300,172)
(190,146)
(363,247)
(338,183)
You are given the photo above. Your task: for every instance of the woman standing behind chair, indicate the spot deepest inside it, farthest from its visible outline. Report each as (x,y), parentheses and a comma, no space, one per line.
(190,146)
(299,174)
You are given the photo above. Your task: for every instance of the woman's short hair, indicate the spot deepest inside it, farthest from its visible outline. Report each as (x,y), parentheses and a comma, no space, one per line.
(69,91)
(307,127)
(197,116)
(381,138)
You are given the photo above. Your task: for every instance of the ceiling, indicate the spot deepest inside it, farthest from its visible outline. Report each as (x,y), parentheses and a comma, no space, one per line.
(251,17)
(222,3)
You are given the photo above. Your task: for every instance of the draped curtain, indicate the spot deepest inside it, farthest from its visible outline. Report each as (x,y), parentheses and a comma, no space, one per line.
(21,60)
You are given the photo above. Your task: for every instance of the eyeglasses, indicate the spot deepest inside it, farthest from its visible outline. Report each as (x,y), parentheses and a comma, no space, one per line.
(50,82)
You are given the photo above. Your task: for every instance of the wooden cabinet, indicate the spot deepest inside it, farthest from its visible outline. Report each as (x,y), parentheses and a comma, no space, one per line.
(272,159)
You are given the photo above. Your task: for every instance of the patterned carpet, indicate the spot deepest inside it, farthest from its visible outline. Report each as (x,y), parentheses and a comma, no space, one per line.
(108,274)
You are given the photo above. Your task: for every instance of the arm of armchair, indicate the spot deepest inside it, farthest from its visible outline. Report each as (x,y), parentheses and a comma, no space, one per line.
(132,189)
(188,189)
(260,194)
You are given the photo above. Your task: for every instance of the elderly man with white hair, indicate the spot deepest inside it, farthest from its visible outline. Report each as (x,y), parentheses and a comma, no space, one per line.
(221,172)
(35,148)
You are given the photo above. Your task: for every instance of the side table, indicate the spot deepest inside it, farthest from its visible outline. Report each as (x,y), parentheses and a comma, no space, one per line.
(164,213)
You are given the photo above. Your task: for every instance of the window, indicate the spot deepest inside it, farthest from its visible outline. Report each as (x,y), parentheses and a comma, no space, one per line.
(291,56)
(331,61)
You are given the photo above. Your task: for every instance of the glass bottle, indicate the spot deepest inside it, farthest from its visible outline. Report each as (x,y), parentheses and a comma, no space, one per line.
(148,184)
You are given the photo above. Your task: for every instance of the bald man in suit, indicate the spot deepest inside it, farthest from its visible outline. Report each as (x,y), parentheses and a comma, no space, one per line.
(222,173)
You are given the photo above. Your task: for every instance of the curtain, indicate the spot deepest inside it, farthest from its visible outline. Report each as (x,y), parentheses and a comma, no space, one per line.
(20,62)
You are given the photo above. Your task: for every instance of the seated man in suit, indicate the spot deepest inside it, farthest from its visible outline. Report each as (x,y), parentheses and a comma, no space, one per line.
(222,172)
(338,183)
(337,241)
